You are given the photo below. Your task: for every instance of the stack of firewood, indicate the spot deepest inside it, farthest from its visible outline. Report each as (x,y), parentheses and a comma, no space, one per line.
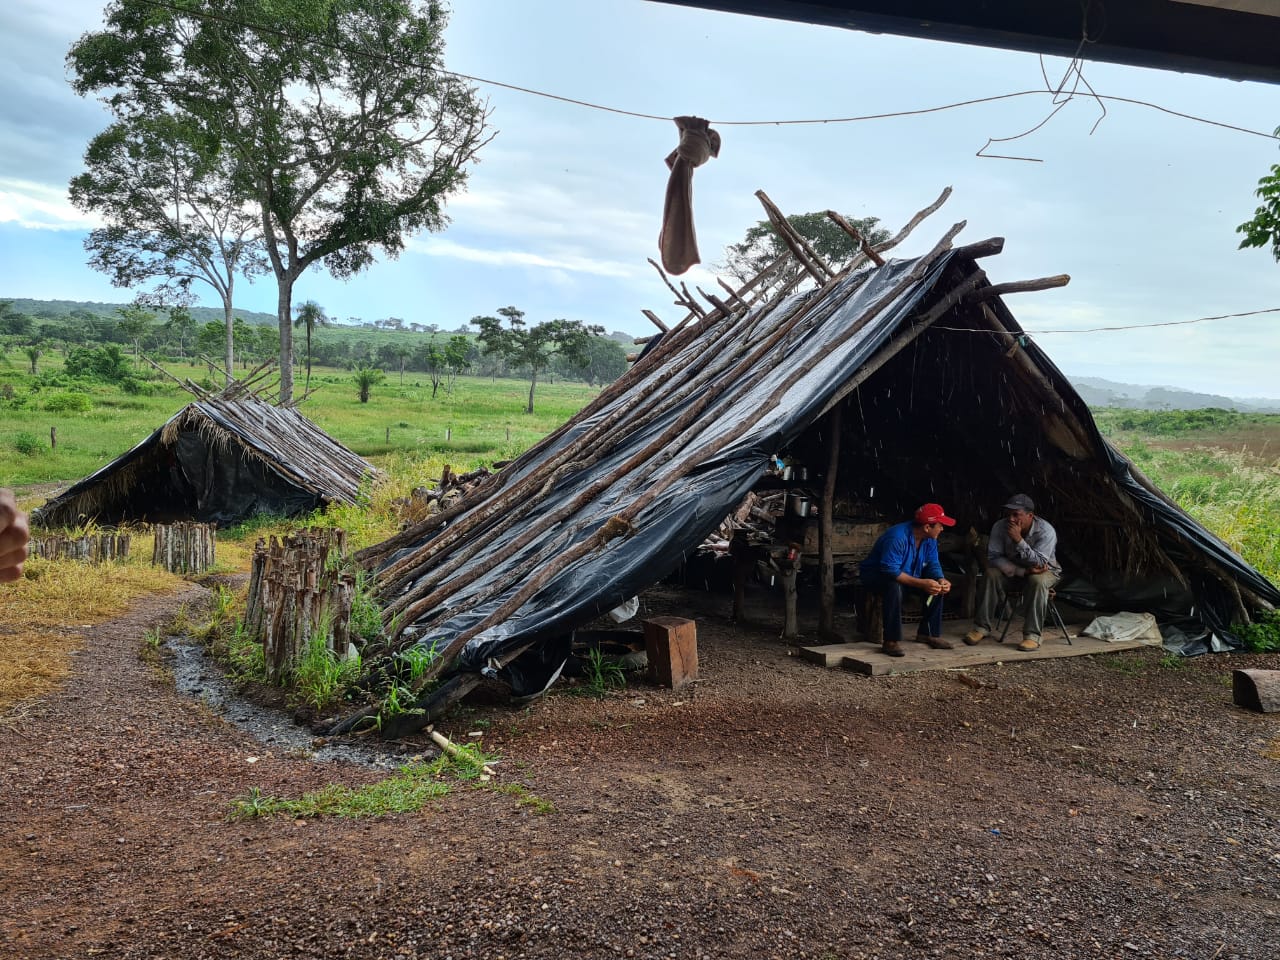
(184,547)
(424,501)
(294,592)
(92,548)
(755,519)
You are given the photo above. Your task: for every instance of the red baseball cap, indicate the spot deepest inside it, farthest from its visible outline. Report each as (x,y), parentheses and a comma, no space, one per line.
(933,513)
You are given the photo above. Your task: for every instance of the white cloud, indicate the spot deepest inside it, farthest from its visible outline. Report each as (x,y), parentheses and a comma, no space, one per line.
(37,206)
(440,247)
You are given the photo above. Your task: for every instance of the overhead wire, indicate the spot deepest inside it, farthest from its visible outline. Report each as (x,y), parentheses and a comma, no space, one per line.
(1074,66)
(1118,327)
(401,62)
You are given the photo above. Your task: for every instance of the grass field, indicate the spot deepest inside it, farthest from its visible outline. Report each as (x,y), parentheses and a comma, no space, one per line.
(479,422)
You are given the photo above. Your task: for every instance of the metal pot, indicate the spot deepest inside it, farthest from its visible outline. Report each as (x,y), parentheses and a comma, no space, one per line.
(799,504)
(787,472)
(801,473)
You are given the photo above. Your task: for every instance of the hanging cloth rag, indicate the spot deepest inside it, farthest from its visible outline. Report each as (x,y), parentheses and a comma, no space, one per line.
(677,242)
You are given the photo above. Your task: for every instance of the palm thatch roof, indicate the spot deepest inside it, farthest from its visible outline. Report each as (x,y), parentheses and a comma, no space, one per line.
(222,459)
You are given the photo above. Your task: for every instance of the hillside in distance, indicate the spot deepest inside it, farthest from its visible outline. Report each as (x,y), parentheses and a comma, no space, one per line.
(1098,392)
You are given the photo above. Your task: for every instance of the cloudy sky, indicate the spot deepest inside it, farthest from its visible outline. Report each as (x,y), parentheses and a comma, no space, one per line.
(563,209)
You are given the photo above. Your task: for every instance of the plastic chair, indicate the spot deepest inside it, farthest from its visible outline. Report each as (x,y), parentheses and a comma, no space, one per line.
(1008,607)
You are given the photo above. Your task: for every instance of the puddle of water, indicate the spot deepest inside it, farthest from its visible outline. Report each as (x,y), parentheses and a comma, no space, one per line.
(196,675)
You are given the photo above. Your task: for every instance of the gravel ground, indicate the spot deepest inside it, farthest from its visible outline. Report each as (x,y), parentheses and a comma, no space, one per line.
(1109,807)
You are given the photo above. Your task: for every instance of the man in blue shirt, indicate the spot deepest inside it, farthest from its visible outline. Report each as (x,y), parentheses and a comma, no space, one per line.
(905,557)
(1023,550)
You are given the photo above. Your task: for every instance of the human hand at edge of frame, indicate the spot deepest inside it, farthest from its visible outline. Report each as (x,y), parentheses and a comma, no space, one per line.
(14,536)
(945,584)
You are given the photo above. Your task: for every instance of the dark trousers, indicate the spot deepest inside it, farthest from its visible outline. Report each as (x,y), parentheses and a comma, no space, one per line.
(891,592)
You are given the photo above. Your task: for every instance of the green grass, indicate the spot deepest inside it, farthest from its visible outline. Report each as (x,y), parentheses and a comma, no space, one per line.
(480,422)
(409,789)
(1233,494)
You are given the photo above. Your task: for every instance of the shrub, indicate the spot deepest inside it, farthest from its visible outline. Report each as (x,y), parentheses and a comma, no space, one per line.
(1263,635)
(68,403)
(105,363)
(27,444)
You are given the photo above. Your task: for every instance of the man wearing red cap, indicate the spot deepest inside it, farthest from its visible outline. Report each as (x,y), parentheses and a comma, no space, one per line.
(905,557)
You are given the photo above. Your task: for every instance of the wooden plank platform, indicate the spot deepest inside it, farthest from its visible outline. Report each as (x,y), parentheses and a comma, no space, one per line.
(866,658)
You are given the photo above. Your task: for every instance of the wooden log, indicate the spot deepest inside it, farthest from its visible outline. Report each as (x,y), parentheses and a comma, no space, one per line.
(655,320)
(852,231)
(826,529)
(1020,286)
(800,248)
(447,745)
(671,644)
(183,547)
(790,616)
(1256,690)
(982,248)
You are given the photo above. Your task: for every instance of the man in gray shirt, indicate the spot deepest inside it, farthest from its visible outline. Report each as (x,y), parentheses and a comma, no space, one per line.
(1025,546)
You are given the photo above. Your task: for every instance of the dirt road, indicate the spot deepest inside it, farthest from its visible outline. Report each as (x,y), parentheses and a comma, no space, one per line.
(1092,807)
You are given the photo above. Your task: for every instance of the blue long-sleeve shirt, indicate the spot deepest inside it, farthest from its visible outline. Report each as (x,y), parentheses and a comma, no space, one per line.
(896,551)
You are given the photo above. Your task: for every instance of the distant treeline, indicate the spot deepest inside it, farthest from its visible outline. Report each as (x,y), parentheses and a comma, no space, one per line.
(389,344)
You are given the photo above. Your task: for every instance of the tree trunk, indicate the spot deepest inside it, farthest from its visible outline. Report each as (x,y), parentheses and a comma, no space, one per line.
(283,302)
(230,321)
(533,382)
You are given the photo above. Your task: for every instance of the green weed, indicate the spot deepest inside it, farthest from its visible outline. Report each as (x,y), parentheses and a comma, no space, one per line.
(409,789)
(600,674)
(1261,636)
(526,799)
(321,677)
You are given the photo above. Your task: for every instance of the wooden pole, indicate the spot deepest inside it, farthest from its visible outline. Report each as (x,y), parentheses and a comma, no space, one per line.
(826,531)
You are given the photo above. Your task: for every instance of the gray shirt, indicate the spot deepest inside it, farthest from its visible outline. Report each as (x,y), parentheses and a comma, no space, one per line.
(1037,548)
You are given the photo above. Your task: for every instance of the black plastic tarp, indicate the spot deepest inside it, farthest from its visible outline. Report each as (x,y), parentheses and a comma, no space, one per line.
(852,325)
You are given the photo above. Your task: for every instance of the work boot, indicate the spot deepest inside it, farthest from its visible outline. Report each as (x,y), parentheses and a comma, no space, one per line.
(937,643)
(1029,644)
(892,648)
(974,637)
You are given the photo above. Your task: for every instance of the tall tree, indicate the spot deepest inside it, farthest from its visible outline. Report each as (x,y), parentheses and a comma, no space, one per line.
(134,323)
(34,353)
(182,327)
(532,348)
(762,245)
(309,315)
(444,363)
(346,133)
(173,212)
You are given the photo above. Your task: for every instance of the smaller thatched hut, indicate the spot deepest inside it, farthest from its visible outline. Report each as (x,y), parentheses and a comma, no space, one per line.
(221,459)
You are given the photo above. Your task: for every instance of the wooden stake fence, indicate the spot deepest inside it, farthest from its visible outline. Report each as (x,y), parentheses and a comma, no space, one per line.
(184,547)
(293,592)
(94,548)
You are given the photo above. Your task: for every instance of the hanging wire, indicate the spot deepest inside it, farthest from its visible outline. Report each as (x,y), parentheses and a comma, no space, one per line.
(400,62)
(1132,326)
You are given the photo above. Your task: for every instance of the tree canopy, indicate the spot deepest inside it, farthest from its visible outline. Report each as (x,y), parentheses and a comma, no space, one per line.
(173,215)
(762,245)
(340,125)
(532,348)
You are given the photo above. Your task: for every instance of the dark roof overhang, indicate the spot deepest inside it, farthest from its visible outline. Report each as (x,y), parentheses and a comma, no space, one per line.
(1234,39)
